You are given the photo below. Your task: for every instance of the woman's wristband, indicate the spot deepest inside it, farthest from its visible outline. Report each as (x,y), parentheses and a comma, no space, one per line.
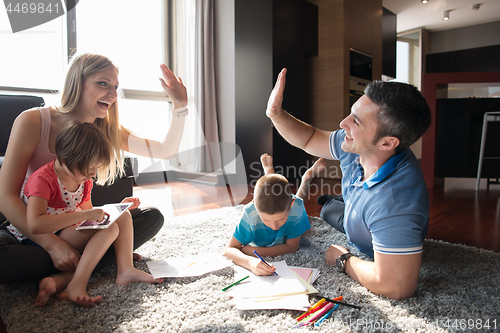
(180,112)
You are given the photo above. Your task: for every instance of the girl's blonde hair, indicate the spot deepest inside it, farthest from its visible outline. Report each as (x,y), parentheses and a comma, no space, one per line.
(81,68)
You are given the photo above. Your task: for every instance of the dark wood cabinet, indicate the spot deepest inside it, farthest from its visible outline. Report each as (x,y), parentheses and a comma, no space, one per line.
(295,37)
(269,36)
(459,129)
(389,40)
(481,59)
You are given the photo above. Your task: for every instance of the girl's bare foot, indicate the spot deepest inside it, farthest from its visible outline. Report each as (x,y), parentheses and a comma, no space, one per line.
(79,297)
(132,275)
(315,170)
(52,285)
(267,163)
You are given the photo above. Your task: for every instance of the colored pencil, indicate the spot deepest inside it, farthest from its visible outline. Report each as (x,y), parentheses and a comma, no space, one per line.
(235,283)
(308,312)
(316,324)
(255,252)
(341,303)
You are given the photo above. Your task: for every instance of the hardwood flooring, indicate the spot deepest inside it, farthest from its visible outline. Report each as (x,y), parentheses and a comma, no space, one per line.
(458,213)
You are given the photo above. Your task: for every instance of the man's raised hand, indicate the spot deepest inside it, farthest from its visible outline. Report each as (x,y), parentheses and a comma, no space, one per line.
(274,107)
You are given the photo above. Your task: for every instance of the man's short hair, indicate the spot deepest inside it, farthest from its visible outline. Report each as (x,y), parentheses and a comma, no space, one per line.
(272,194)
(404,112)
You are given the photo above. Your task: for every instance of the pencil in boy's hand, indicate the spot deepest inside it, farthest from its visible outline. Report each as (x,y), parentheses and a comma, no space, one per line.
(255,252)
(235,283)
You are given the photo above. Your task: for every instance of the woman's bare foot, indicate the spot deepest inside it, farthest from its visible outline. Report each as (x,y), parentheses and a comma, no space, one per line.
(267,163)
(52,285)
(132,275)
(79,297)
(315,170)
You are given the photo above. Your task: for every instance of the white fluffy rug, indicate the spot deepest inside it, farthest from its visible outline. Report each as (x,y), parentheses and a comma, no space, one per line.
(458,291)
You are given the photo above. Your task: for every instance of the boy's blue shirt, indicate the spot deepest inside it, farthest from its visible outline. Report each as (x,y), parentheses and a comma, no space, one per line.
(252,231)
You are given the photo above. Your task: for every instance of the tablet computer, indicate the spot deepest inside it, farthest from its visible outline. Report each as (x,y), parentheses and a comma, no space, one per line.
(111,213)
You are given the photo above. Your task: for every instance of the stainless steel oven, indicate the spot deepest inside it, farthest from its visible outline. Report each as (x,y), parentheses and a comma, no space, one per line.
(360,64)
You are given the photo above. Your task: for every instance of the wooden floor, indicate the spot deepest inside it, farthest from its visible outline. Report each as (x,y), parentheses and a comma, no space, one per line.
(458,214)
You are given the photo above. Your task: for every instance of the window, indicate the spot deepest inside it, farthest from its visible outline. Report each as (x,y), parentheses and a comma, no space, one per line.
(129,33)
(136,35)
(34,58)
(132,34)
(408,57)
(409,66)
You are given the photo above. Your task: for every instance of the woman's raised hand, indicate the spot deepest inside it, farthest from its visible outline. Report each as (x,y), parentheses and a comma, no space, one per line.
(174,87)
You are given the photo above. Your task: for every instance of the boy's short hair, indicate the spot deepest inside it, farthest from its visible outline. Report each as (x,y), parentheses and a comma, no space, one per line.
(272,194)
(82,145)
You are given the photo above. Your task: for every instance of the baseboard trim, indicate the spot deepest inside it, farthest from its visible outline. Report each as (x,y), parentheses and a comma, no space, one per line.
(216,179)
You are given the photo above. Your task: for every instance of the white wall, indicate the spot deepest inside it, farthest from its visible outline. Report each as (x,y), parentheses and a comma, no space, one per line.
(225,66)
(466,38)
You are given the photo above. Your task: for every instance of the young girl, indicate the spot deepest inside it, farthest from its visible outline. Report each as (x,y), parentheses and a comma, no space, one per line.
(58,200)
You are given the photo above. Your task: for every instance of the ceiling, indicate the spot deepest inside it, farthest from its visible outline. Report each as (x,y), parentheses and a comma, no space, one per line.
(412,14)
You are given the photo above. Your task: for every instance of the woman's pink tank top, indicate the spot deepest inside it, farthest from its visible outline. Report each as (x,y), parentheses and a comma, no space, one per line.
(41,154)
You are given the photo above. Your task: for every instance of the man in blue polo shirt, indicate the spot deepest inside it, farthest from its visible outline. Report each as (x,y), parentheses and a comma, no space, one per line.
(384,208)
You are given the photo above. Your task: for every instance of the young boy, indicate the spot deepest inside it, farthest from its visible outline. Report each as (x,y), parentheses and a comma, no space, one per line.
(274,221)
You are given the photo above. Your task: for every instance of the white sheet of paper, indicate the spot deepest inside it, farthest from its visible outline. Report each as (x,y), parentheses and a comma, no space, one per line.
(295,302)
(286,283)
(195,265)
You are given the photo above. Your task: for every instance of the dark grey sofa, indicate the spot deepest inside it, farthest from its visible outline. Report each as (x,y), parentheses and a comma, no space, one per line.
(12,105)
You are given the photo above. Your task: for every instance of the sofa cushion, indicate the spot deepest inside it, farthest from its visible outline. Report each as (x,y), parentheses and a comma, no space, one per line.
(10,107)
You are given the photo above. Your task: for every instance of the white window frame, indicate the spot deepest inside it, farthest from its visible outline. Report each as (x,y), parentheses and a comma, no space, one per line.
(168,33)
(71,46)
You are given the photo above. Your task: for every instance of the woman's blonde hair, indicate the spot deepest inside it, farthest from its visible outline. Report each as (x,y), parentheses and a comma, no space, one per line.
(81,68)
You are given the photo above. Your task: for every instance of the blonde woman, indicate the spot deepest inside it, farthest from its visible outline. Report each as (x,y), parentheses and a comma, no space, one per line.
(89,95)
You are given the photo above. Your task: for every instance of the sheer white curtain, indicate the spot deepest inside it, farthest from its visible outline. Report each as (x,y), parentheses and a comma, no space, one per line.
(195,64)
(185,16)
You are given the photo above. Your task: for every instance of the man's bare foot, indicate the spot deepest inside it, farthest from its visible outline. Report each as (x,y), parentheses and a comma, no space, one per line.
(136,257)
(315,170)
(52,285)
(79,297)
(267,163)
(132,275)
